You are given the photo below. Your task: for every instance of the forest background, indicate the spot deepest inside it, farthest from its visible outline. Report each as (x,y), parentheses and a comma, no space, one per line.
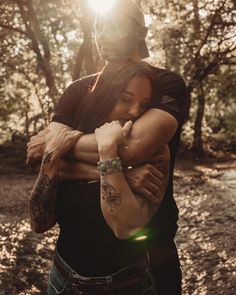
(45,45)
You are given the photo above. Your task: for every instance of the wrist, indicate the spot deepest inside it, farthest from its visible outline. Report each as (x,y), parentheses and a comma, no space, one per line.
(54,155)
(50,164)
(110,166)
(107,151)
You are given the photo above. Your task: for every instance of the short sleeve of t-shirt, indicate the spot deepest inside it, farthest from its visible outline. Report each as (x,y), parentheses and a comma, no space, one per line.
(169,94)
(69,101)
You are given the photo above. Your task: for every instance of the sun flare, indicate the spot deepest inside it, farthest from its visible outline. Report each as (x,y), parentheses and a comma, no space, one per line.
(101,6)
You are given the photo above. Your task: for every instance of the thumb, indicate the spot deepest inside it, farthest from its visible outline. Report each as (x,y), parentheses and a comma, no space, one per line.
(126,128)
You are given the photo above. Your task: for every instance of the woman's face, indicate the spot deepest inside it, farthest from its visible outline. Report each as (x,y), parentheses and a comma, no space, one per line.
(133,101)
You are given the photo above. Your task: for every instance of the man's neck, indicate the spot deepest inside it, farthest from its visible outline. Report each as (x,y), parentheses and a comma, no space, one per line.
(133,56)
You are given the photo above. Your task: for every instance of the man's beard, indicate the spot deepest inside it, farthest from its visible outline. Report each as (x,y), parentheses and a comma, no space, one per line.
(109,55)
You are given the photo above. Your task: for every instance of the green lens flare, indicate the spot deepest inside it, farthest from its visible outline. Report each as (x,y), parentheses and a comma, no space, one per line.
(143,234)
(141,238)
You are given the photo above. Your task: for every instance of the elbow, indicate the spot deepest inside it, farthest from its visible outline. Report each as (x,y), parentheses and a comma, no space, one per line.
(120,231)
(39,229)
(123,233)
(134,154)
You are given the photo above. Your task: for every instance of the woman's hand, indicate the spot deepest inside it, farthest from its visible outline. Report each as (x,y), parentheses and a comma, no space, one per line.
(112,134)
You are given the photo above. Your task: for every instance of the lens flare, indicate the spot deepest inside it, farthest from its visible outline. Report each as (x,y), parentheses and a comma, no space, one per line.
(141,238)
(101,6)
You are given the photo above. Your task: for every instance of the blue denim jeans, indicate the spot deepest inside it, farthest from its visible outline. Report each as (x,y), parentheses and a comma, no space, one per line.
(103,285)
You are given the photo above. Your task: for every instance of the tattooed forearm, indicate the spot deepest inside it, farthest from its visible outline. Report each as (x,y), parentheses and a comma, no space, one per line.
(43,198)
(110,195)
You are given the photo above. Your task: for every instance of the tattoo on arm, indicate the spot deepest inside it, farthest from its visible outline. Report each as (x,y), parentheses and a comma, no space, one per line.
(143,201)
(110,195)
(43,198)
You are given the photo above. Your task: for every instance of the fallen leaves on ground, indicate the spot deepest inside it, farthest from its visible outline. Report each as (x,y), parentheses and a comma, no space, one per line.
(206,238)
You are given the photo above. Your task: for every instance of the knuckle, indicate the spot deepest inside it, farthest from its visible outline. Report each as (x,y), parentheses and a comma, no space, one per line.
(149,166)
(146,173)
(139,186)
(141,178)
(149,194)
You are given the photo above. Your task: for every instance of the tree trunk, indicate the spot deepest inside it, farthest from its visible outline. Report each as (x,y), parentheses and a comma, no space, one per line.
(85,64)
(27,124)
(37,38)
(197,143)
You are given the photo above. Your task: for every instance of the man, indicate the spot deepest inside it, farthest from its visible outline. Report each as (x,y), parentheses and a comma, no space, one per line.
(122,34)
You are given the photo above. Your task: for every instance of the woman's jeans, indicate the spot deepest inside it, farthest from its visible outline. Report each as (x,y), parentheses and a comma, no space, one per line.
(119,283)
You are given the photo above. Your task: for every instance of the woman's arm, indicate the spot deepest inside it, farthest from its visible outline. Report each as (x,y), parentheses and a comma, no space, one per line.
(141,144)
(124,211)
(43,195)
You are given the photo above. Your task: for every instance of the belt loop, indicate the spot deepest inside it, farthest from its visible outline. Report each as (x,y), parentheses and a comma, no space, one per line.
(109,279)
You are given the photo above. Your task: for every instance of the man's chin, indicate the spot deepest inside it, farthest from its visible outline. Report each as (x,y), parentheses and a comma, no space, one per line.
(109,56)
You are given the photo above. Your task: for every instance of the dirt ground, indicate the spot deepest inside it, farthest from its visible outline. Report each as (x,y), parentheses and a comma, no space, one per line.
(206,196)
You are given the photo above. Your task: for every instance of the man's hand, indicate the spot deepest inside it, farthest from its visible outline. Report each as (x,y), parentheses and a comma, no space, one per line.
(36,147)
(147,181)
(37,143)
(60,140)
(150,180)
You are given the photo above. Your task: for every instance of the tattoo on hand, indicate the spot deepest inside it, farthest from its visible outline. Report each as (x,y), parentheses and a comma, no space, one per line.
(143,201)
(47,158)
(110,195)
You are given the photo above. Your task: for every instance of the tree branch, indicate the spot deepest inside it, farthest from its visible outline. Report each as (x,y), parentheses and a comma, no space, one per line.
(209,30)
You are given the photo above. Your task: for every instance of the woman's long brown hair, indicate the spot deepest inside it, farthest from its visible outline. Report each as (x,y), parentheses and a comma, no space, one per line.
(95,107)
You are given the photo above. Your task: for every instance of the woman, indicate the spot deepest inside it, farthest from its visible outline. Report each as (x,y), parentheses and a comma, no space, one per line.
(98,250)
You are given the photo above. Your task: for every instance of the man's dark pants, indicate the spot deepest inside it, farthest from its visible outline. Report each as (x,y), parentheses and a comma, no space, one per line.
(166,269)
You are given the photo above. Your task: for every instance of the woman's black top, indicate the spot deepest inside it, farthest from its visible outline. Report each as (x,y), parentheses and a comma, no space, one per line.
(86,242)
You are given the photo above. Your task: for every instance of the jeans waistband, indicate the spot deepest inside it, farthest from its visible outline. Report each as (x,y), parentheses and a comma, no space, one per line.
(127,275)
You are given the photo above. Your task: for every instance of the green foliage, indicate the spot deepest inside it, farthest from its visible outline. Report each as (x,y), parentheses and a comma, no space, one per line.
(25,98)
(197,39)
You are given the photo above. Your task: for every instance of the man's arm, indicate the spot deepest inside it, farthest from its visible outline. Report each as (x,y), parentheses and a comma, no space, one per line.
(43,195)
(144,179)
(72,170)
(149,133)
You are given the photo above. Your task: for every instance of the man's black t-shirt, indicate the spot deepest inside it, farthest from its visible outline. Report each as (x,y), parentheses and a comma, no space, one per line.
(86,242)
